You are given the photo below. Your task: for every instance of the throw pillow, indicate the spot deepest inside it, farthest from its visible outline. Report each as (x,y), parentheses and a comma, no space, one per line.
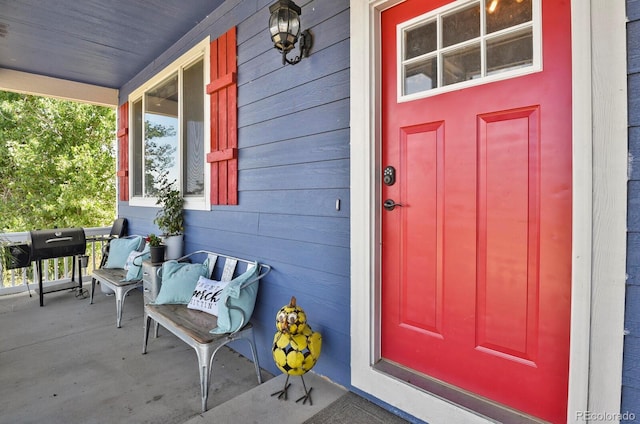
(179,280)
(206,296)
(134,263)
(119,250)
(132,255)
(244,298)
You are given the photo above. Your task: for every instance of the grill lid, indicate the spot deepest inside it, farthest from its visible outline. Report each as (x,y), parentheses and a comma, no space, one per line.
(57,243)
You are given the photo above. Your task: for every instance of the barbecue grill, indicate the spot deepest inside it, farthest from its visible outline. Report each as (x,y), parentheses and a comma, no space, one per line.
(57,243)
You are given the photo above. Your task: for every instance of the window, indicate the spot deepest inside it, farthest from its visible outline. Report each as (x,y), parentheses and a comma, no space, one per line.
(468,43)
(167,131)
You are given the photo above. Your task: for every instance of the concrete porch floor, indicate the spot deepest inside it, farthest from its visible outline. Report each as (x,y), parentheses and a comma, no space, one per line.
(67,362)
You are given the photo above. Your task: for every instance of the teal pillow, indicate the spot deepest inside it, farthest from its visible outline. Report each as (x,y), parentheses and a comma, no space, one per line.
(229,320)
(179,280)
(119,250)
(134,268)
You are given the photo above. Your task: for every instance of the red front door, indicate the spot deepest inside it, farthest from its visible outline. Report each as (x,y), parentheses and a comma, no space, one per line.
(476,256)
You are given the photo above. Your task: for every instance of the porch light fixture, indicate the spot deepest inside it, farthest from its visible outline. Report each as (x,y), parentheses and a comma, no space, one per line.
(284,25)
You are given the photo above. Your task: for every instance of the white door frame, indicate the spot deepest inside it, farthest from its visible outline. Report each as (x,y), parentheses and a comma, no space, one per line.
(599,214)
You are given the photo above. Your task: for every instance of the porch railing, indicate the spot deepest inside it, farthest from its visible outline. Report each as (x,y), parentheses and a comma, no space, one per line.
(54,271)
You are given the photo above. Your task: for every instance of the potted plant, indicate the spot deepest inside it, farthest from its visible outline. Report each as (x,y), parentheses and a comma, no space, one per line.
(170,217)
(156,247)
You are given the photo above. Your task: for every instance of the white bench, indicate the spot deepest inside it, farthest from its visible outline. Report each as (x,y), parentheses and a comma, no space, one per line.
(193,326)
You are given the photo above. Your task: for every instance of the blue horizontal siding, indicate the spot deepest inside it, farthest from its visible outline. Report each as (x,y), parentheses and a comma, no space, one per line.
(255,83)
(633,210)
(330,117)
(630,404)
(315,147)
(633,42)
(633,257)
(634,153)
(319,285)
(632,317)
(312,175)
(633,10)
(257,57)
(321,230)
(296,202)
(634,99)
(331,259)
(631,371)
(321,91)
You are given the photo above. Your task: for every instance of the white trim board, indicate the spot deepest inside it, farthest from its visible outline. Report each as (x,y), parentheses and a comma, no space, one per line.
(599,214)
(39,85)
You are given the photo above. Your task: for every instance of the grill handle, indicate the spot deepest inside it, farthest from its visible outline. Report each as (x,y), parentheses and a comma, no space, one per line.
(58,239)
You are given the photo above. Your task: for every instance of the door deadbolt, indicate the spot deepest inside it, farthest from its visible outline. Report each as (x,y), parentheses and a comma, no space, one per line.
(389,176)
(390,205)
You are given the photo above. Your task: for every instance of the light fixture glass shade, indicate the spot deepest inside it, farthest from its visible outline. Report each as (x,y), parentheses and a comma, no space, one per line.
(284,24)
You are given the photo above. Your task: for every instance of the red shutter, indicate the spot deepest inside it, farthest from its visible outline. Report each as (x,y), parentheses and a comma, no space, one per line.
(123,151)
(224,120)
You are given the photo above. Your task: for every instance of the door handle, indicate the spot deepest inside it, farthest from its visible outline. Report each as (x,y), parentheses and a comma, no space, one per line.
(390,205)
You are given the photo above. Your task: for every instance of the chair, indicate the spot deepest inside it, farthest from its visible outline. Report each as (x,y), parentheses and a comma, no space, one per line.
(113,279)
(118,230)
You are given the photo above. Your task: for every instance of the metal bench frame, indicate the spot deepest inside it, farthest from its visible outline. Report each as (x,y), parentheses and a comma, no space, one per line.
(113,278)
(192,326)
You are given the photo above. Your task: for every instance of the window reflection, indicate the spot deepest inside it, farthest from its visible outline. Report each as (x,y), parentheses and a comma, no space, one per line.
(461,26)
(193,128)
(421,40)
(421,76)
(462,65)
(136,165)
(503,14)
(161,133)
(512,52)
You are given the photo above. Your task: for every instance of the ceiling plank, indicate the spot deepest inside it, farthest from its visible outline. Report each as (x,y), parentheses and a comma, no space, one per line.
(103,43)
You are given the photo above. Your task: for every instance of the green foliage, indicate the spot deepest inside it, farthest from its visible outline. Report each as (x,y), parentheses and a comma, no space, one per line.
(159,157)
(154,240)
(170,217)
(57,163)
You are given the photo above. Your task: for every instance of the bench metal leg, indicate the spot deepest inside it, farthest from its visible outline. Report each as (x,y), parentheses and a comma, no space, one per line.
(204,386)
(93,288)
(119,303)
(205,358)
(205,352)
(252,343)
(121,295)
(147,323)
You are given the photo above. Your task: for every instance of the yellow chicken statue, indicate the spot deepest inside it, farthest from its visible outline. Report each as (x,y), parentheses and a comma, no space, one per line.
(296,347)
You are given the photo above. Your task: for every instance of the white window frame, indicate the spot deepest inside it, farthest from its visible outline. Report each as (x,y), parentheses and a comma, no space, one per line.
(199,51)
(436,15)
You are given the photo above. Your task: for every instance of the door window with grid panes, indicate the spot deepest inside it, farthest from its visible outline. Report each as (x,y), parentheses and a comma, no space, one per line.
(468,43)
